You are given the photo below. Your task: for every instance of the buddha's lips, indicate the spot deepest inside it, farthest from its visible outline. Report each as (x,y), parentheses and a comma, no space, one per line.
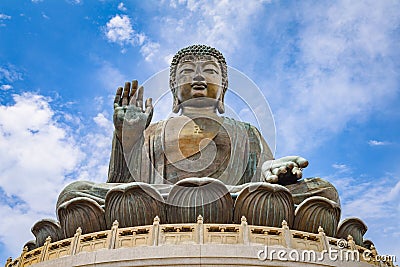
(199,87)
(199,90)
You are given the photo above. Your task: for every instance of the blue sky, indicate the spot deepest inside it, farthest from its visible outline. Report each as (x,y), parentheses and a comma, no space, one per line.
(329,70)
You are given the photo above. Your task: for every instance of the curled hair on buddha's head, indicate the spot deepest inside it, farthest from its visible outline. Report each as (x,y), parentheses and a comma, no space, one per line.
(198,51)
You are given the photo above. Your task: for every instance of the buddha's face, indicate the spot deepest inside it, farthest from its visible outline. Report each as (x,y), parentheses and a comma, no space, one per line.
(199,81)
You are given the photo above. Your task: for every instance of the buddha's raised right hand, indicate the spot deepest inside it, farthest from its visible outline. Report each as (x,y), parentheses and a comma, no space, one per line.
(130,119)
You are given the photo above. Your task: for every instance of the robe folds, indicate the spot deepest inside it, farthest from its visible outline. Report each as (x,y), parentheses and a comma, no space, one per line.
(232,154)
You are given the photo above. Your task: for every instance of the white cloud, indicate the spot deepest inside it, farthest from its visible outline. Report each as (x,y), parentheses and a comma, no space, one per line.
(341,168)
(119,30)
(39,155)
(37,1)
(377,143)
(74,2)
(35,149)
(110,76)
(9,74)
(222,24)
(6,87)
(102,121)
(149,50)
(376,201)
(4,16)
(343,69)
(122,7)
(36,153)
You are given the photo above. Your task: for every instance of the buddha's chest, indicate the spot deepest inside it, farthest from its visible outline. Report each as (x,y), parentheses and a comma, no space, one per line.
(185,137)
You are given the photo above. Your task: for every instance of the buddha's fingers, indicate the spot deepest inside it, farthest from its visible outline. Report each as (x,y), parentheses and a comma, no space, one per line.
(280,170)
(302,162)
(277,165)
(297,172)
(290,165)
(125,96)
(139,99)
(149,106)
(133,91)
(271,178)
(117,98)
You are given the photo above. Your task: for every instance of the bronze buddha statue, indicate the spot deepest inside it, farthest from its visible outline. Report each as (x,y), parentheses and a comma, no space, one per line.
(196,163)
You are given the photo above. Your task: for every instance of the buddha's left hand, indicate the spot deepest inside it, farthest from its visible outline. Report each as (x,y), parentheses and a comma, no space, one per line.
(284,171)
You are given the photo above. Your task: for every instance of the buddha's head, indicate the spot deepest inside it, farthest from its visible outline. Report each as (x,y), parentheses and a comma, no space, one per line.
(198,77)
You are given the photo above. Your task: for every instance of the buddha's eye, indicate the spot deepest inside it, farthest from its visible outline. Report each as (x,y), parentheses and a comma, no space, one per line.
(186,71)
(210,71)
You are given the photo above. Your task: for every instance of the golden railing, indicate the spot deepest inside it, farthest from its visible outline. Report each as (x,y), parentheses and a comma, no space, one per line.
(196,233)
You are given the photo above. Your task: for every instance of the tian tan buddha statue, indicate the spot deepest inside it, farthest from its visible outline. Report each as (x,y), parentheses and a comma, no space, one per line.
(197,163)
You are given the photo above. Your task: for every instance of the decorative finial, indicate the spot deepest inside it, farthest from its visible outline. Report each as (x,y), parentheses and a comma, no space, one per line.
(349,238)
(321,230)
(285,224)
(373,250)
(156,220)
(115,224)
(48,239)
(243,219)
(200,219)
(351,242)
(25,249)
(78,231)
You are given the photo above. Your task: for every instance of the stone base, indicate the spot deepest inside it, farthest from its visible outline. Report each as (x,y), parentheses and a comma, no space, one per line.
(191,255)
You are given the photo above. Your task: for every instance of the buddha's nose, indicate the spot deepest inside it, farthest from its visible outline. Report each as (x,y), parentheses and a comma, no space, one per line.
(198,76)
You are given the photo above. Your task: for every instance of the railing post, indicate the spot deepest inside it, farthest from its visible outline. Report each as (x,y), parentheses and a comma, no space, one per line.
(9,260)
(76,241)
(324,240)
(156,231)
(351,243)
(200,227)
(45,249)
(244,230)
(286,234)
(113,235)
(22,257)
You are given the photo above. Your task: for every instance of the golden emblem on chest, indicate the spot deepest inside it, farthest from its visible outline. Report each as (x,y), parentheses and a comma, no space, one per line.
(188,137)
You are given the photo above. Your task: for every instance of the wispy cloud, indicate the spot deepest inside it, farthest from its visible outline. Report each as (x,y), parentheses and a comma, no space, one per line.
(344,63)
(9,74)
(3,18)
(377,143)
(5,87)
(341,167)
(376,201)
(222,24)
(74,2)
(122,7)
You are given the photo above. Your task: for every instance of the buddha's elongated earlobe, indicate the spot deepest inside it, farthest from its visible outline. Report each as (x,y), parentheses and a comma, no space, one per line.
(220,105)
(176,106)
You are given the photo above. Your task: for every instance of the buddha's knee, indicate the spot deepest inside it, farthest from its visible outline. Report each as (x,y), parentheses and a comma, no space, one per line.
(91,190)
(310,187)
(133,204)
(83,213)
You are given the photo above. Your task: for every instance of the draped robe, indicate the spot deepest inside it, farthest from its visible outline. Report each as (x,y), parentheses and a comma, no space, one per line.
(233,153)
